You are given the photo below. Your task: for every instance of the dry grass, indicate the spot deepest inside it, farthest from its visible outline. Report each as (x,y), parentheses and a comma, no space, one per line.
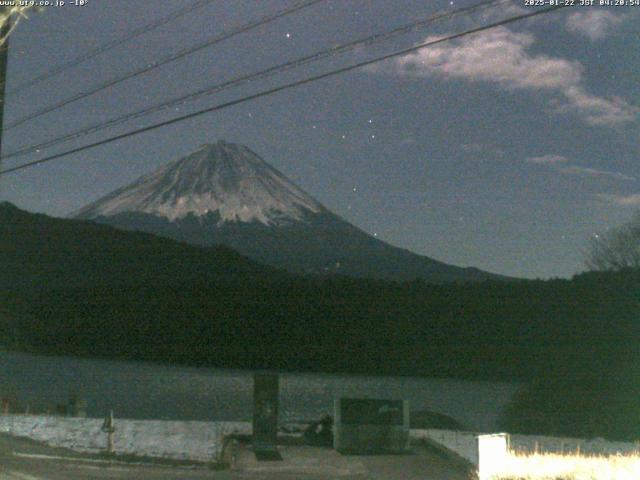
(570,467)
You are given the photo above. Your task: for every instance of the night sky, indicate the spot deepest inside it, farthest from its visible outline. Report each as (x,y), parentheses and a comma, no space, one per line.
(506,150)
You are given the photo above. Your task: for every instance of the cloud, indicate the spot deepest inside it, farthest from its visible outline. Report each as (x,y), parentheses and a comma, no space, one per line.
(632,200)
(548,160)
(497,55)
(503,57)
(561,164)
(594,24)
(592,172)
(598,110)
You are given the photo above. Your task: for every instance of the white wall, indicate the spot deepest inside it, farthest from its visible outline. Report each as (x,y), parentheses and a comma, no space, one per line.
(199,441)
(463,444)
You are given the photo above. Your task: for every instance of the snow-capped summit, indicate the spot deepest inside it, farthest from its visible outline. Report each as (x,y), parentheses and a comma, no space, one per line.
(222,179)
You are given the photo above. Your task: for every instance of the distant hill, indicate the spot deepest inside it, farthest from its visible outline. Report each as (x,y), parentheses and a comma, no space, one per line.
(41,253)
(226,194)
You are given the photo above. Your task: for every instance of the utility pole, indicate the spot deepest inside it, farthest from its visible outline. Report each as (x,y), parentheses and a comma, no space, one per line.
(4,57)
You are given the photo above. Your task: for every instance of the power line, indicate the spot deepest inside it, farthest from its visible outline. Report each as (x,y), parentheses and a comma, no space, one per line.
(110,45)
(284,87)
(171,58)
(246,79)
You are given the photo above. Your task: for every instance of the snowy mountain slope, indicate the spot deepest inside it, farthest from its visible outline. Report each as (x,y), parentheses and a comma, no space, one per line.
(226,194)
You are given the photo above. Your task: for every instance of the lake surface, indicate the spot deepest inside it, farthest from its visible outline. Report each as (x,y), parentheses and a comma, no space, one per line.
(145,390)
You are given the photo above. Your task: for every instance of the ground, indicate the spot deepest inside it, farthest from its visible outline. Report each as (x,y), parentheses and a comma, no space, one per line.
(22,459)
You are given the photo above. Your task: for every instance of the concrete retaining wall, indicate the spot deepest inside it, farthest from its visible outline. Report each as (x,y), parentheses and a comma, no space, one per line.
(198,441)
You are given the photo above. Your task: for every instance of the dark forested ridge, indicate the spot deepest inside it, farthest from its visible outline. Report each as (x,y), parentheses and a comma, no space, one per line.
(39,253)
(73,287)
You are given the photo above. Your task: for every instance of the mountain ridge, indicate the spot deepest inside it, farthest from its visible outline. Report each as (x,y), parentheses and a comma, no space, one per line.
(226,194)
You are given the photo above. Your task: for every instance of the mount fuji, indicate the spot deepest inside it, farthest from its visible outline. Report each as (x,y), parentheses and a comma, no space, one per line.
(224,193)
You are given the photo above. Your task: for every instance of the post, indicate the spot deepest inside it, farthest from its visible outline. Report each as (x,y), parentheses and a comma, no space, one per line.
(265,416)
(4,57)
(109,428)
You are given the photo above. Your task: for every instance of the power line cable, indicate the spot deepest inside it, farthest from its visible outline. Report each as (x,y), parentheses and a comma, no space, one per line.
(246,79)
(284,87)
(171,58)
(110,45)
